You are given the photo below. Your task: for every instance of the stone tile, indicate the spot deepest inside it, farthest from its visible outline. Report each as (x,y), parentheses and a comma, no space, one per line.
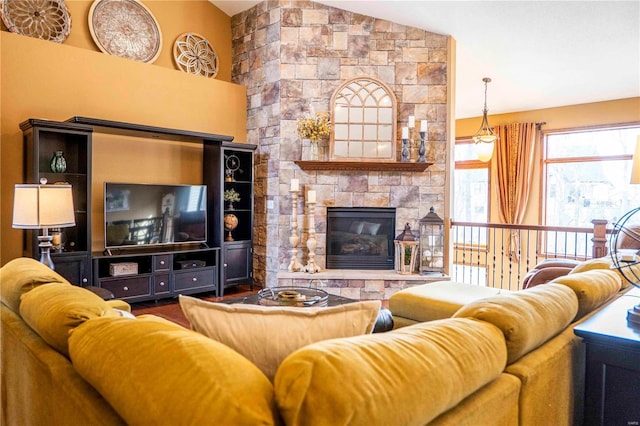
(291,17)
(378,58)
(432,73)
(306,71)
(311,36)
(437,94)
(358,46)
(328,68)
(406,73)
(339,16)
(315,16)
(415,93)
(340,40)
(414,54)
(293,54)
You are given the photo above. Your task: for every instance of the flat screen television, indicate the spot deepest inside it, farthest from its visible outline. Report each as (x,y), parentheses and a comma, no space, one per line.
(138,215)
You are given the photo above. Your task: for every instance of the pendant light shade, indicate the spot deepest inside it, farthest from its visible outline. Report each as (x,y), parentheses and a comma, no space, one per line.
(484,137)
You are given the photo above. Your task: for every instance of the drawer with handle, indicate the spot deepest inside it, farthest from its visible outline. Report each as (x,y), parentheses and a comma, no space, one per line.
(123,288)
(194,278)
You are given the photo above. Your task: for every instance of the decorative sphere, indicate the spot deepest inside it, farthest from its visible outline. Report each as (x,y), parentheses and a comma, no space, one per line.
(230,222)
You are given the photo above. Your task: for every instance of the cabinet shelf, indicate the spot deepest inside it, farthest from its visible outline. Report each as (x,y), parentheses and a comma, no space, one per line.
(363,166)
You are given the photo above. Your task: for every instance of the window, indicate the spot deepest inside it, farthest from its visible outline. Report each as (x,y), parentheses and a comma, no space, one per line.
(586,176)
(471,177)
(470,204)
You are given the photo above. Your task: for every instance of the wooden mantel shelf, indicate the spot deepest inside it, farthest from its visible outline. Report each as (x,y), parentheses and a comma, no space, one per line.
(374,166)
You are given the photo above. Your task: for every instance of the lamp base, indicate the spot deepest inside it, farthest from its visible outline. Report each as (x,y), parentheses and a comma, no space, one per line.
(45,250)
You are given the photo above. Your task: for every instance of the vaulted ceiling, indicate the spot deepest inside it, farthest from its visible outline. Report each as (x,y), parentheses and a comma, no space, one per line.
(539,54)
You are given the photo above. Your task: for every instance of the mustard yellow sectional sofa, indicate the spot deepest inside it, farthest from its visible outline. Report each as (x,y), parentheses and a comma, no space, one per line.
(70,358)
(545,355)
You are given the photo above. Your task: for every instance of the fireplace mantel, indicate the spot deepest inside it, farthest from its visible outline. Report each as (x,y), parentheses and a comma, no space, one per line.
(393,166)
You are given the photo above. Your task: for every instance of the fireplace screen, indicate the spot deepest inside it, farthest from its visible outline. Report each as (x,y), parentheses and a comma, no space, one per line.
(360,237)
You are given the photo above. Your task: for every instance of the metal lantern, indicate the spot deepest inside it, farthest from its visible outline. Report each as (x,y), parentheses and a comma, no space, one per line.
(431,243)
(406,248)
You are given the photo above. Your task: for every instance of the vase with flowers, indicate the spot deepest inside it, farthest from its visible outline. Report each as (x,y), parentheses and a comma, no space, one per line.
(314,127)
(231,196)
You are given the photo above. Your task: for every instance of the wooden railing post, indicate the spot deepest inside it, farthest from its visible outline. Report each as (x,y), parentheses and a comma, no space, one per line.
(599,238)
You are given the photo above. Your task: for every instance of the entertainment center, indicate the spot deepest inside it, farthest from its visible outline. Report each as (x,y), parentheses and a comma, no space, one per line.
(160,240)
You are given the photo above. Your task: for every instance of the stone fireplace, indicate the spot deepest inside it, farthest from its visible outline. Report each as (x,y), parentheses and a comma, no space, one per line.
(291,56)
(360,237)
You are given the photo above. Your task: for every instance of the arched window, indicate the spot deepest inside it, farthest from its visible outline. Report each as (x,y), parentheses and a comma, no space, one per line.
(363,111)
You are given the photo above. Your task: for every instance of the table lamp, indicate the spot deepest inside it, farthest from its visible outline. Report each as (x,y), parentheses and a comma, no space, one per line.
(43,207)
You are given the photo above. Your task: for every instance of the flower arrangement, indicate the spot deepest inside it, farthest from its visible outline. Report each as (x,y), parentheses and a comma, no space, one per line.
(314,127)
(231,195)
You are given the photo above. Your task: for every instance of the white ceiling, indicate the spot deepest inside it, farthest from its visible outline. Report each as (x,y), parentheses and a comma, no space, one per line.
(539,54)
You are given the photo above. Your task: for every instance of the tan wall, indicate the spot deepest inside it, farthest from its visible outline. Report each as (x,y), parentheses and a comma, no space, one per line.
(41,79)
(174,18)
(572,116)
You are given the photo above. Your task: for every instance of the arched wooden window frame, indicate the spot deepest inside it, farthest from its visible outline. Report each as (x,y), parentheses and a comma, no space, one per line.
(363,111)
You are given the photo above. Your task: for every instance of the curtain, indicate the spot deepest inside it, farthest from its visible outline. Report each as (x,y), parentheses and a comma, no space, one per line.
(514,163)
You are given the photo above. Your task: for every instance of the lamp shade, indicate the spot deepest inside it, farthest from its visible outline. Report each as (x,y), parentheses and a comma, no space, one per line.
(635,168)
(43,206)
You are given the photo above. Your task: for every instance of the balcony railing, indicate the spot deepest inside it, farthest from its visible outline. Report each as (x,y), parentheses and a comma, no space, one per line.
(500,255)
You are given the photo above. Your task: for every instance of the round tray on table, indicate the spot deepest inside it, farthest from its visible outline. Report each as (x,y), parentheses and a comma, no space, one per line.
(293,296)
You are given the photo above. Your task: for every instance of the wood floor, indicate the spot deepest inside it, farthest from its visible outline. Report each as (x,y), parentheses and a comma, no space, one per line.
(170,308)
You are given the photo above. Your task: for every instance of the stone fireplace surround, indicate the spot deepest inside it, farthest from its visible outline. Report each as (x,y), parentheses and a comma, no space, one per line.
(291,55)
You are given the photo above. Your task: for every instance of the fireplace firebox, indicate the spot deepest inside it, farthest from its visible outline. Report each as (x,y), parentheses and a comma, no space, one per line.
(360,237)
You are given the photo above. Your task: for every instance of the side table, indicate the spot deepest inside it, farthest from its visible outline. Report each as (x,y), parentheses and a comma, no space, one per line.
(612,382)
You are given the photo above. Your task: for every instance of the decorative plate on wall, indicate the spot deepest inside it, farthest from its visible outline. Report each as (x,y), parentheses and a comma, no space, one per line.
(125,28)
(193,54)
(44,19)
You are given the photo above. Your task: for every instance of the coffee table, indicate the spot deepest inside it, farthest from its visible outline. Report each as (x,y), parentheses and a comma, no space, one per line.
(384,322)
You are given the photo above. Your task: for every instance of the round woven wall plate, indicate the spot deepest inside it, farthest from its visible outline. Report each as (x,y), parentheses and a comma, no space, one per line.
(44,19)
(125,28)
(193,54)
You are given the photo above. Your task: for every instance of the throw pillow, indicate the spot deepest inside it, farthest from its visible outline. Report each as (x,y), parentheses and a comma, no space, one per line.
(267,334)
(154,372)
(53,310)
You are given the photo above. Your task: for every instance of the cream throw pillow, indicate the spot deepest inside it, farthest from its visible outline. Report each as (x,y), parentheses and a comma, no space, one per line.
(267,334)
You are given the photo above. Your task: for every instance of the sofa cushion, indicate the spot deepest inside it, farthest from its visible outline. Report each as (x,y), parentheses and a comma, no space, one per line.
(267,334)
(593,288)
(21,275)
(528,318)
(53,310)
(438,300)
(405,376)
(153,371)
(606,264)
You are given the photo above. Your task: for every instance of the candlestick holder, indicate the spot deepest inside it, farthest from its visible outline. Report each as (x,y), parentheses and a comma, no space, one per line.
(423,149)
(405,150)
(311,267)
(294,239)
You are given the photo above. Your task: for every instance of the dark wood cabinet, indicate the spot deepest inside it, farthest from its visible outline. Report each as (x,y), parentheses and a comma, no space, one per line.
(229,179)
(612,381)
(159,274)
(225,260)
(42,138)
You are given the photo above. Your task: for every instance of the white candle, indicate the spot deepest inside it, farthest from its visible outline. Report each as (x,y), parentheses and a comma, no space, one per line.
(412,121)
(405,133)
(311,196)
(295,185)
(423,125)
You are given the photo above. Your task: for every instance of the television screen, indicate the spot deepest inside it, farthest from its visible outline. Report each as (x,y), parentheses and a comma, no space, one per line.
(145,214)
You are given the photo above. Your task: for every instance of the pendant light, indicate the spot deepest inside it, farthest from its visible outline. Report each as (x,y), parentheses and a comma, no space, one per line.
(484,137)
